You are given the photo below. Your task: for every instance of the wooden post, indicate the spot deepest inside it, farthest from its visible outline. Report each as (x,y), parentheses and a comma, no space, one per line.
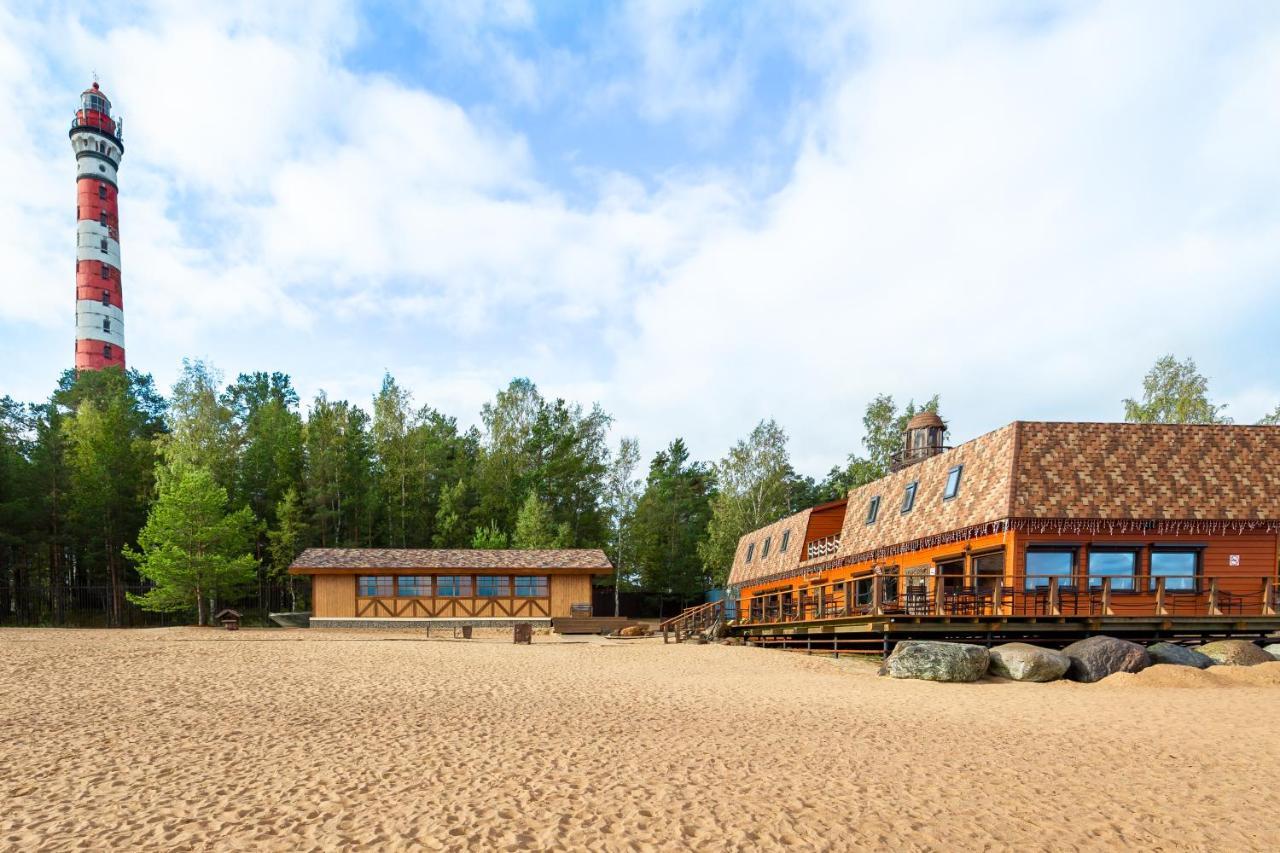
(877,594)
(822,601)
(1106,597)
(997,597)
(848,597)
(1269,597)
(1160,608)
(938,590)
(1213,597)
(1055,608)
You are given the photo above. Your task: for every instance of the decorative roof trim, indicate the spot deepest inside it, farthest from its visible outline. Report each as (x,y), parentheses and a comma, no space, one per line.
(1110,526)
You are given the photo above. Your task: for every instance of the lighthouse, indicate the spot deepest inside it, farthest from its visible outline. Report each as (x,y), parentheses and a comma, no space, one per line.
(97,141)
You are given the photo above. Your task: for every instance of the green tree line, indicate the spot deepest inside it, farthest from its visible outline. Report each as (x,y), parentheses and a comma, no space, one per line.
(102,484)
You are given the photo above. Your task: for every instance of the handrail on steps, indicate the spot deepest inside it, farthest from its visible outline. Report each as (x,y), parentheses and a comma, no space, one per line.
(691,619)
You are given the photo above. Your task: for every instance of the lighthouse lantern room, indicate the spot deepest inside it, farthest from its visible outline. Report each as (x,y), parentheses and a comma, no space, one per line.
(98,143)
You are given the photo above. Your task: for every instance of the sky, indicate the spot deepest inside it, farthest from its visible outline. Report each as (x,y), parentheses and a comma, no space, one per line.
(698,215)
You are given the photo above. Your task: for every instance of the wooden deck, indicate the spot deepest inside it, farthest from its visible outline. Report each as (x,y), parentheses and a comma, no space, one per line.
(589,624)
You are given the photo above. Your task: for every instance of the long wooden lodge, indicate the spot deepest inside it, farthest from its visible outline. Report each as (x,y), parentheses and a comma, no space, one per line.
(1037,531)
(411,587)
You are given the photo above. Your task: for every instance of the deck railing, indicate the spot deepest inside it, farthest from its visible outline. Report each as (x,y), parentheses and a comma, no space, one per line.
(822,547)
(877,595)
(693,620)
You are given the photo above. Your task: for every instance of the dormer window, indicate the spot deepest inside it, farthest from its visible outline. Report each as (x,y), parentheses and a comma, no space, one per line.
(751,550)
(909,496)
(873,509)
(953,483)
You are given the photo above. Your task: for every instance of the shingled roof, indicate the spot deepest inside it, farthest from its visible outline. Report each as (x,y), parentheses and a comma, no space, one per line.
(328,559)
(1045,470)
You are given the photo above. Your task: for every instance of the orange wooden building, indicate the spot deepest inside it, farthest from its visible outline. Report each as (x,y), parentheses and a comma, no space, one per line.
(1036,530)
(407,587)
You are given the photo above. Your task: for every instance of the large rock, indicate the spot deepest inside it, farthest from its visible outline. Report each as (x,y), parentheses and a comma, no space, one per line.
(937,661)
(1235,653)
(641,630)
(1273,650)
(1178,655)
(1097,657)
(1025,662)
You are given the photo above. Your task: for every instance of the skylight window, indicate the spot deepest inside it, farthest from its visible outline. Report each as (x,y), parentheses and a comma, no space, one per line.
(764,551)
(909,496)
(873,509)
(751,550)
(786,537)
(953,483)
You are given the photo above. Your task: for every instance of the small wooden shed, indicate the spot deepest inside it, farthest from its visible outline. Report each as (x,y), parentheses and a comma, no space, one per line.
(229,618)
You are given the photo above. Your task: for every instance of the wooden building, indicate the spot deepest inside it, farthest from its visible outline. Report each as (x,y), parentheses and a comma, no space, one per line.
(407,587)
(1037,531)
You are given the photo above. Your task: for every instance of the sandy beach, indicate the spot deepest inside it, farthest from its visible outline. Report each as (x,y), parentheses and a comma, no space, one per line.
(309,740)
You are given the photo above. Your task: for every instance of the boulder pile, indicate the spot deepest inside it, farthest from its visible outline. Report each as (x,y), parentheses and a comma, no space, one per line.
(1088,660)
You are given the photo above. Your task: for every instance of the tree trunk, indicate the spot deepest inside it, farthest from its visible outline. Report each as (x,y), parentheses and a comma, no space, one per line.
(199,605)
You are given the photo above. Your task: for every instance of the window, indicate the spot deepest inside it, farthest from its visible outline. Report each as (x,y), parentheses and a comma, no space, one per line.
(106,270)
(953,483)
(102,244)
(413,586)
(454,586)
(106,324)
(1178,568)
(987,569)
(106,297)
(531,587)
(873,509)
(374,586)
(909,496)
(786,537)
(106,351)
(493,586)
(751,550)
(1120,566)
(764,550)
(102,168)
(102,218)
(1042,565)
(102,190)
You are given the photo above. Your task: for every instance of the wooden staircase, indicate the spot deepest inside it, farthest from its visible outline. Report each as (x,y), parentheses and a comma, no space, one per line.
(703,620)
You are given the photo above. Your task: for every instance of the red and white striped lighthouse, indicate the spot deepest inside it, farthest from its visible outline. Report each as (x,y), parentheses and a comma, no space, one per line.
(97,140)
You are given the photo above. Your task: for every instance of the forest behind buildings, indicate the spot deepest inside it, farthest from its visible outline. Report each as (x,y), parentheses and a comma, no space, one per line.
(116,498)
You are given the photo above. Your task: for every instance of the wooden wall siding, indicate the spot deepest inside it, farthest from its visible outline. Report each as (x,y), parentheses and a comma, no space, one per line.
(333,595)
(823,522)
(567,590)
(1185,471)
(983,495)
(454,608)
(777,561)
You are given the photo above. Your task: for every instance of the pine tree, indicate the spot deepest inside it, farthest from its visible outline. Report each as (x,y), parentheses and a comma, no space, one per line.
(191,548)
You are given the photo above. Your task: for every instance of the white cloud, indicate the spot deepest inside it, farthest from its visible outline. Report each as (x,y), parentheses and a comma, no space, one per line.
(1019,210)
